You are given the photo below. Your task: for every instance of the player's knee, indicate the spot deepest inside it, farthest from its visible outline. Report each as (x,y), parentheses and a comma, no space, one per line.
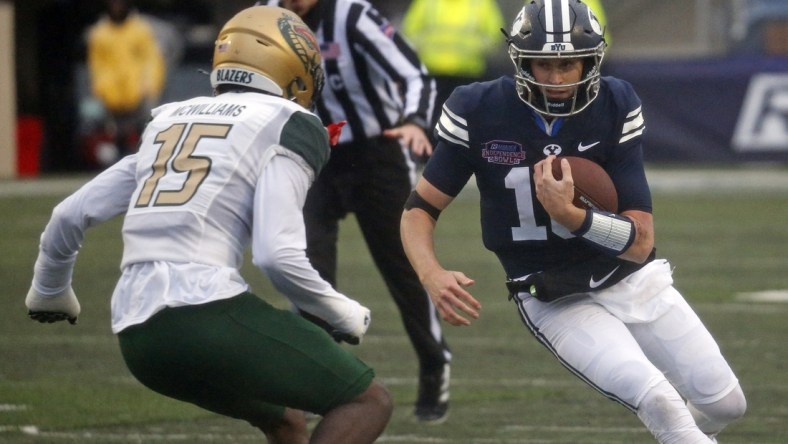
(728,409)
(736,405)
(290,428)
(378,399)
(630,380)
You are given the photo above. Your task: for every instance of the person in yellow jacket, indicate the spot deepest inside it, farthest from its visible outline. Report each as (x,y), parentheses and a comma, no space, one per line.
(453,39)
(127,71)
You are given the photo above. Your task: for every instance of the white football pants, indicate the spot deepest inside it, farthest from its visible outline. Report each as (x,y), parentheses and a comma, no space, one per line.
(639,343)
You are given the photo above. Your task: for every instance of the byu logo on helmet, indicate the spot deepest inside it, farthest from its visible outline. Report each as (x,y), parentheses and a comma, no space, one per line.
(763,121)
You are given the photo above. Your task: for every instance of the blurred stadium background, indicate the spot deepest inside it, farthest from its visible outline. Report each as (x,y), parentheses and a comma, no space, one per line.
(713,74)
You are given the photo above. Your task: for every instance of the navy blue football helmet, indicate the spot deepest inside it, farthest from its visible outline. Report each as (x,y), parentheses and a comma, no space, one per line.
(556,29)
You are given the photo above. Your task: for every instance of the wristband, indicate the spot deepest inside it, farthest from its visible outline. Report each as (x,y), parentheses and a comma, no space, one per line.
(609,232)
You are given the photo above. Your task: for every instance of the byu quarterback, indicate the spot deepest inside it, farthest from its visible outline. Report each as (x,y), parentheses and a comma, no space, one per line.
(586,283)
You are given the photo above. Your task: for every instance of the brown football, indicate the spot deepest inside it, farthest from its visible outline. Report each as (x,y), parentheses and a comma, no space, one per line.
(593,187)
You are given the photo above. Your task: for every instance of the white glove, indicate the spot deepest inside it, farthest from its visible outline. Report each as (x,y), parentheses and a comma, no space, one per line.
(52,308)
(361,321)
(352,329)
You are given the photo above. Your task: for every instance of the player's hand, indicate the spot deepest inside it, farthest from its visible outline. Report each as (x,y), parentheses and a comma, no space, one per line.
(53,308)
(555,195)
(447,291)
(413,136)
(362,319)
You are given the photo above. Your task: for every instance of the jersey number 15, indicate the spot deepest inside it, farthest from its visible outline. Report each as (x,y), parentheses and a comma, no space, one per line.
(176,155)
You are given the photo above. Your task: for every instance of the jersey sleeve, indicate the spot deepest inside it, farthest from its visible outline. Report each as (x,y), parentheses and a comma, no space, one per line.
(627,169)
(448,169)
(450,166)
(101,199)
(306,136)
(453,125)
(279,246)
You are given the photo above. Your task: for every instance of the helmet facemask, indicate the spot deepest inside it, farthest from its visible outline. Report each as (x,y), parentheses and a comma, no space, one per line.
(533,93)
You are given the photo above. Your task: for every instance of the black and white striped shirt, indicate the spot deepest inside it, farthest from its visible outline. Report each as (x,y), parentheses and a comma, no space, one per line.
(374,79)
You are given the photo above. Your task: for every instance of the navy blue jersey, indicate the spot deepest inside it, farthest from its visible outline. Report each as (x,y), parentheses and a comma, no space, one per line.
(487,131)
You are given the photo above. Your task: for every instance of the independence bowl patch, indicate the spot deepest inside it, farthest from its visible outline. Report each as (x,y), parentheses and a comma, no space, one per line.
(503,152)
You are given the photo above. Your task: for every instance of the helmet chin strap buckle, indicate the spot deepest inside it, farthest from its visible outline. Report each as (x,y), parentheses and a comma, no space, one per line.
(559,107)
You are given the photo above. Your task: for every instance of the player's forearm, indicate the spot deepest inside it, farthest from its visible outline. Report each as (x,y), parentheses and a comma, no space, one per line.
(644,236)
(416,230)
(292,275)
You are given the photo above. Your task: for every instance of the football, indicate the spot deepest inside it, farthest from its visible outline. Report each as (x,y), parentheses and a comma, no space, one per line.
(593,187)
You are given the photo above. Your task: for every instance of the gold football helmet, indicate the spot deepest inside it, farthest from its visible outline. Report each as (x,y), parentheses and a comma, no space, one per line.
(269,49)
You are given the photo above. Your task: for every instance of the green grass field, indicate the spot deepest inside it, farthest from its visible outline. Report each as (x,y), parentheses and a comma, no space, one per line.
(63,384)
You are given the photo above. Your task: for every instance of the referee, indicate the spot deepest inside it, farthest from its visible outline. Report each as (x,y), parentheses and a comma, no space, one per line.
(376,83)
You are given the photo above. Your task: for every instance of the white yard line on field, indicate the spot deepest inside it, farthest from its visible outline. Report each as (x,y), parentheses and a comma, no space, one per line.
(12,407)
(769,296)
(767,180)
(42,187)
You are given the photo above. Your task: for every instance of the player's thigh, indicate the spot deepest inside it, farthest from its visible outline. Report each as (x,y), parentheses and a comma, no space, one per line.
(243,358)
(593,344)
(683,349)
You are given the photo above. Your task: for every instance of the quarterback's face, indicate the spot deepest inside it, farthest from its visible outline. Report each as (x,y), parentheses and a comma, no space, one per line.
(557,72)
(300,7)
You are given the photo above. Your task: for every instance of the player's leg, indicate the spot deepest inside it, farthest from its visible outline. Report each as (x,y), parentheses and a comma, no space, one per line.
(290,429)
(680,345)
(713,417)
(598,348)
(361,420)
(378,207)
(663,412)
(355,408)
(245,359)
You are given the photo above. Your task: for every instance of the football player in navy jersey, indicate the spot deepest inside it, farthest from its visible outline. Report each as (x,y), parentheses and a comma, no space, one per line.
(585,282)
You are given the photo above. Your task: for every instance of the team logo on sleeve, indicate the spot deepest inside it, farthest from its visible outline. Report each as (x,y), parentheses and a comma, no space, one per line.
(503,152)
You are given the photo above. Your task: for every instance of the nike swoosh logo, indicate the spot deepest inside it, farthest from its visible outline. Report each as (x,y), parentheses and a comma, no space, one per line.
(594,284)
(581,147)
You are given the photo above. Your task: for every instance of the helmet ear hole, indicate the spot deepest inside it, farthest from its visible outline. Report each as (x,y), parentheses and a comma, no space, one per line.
(300,84)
